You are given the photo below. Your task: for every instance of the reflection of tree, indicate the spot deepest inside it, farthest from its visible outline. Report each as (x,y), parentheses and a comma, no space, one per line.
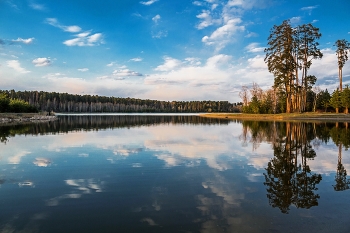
(8,131)
(339,136)
(69,123)
(289,181)
(341,182)
(256,132)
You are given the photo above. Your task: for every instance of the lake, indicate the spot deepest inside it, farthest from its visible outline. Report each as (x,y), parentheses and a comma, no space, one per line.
(174,173)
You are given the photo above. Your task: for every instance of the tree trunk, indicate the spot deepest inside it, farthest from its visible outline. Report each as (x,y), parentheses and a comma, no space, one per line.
(340,79)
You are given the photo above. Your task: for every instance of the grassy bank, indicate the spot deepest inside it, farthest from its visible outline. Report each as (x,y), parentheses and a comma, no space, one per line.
(283,117)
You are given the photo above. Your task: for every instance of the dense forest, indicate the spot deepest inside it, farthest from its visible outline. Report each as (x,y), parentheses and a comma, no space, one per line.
(69,103)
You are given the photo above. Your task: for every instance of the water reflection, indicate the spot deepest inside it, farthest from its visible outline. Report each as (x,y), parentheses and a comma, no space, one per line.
(289,179)
(169,174)
(68,123)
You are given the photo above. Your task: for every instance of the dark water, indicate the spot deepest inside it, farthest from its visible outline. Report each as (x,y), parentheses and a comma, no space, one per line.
(174,174)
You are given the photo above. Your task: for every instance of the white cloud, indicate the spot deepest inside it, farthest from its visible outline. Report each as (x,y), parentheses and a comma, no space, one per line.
(94,38)
(37,6)
(125,73)
(224,34)
(254,48)
(197,3)
(14,64)
(136,59)
(150,2)
(206,19)
(251,34)
(41,61)
(85,39)
(24,41)
(217,79)
(111,64)
(156,18)
(54,22)
(232,3)
(169,64)
(218,60)
(295,20)
(160,34)
(309,8)
(83,69)
(193,61)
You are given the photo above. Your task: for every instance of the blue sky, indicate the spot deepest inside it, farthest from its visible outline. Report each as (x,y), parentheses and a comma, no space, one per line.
(157,49)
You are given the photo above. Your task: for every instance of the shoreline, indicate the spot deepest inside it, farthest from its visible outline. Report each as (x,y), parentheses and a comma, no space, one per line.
(19,118)
(332,117)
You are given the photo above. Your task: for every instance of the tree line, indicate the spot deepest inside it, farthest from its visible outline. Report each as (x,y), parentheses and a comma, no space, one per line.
(64,102)
(289,56)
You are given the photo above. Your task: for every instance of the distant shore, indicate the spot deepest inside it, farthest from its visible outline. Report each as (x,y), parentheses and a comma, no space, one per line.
(334,117)
(17,118)
(20,118)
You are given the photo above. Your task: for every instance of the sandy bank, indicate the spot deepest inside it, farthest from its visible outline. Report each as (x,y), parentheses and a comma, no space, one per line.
(340,117)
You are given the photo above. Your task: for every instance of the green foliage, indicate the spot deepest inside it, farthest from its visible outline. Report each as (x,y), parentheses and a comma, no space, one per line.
(323,99)
(289,50)
(4,102)
(335,100)
(342,51)
(20,106)
(345,98)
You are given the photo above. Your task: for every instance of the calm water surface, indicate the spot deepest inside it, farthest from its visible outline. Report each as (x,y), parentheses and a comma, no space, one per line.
(174,174)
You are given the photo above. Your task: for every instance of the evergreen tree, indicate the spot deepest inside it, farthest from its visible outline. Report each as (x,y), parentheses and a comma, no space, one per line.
(342,53)
(335,100)
(281,60)
(308,50)
(345,99)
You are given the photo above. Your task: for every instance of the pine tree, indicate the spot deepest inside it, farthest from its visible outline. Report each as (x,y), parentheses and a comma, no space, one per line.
(342,53)
(335,100)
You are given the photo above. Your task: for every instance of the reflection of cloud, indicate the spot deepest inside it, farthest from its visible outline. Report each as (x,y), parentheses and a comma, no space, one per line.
(179,144)
(83,155)
(149,221)
(42,162)
(82,187)
(55,201)
(87,186)
(136,165)
(26,184)
(16,159)
(126,151)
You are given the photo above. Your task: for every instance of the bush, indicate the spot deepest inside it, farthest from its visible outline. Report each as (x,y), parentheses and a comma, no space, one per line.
(17,105)
(4,102)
